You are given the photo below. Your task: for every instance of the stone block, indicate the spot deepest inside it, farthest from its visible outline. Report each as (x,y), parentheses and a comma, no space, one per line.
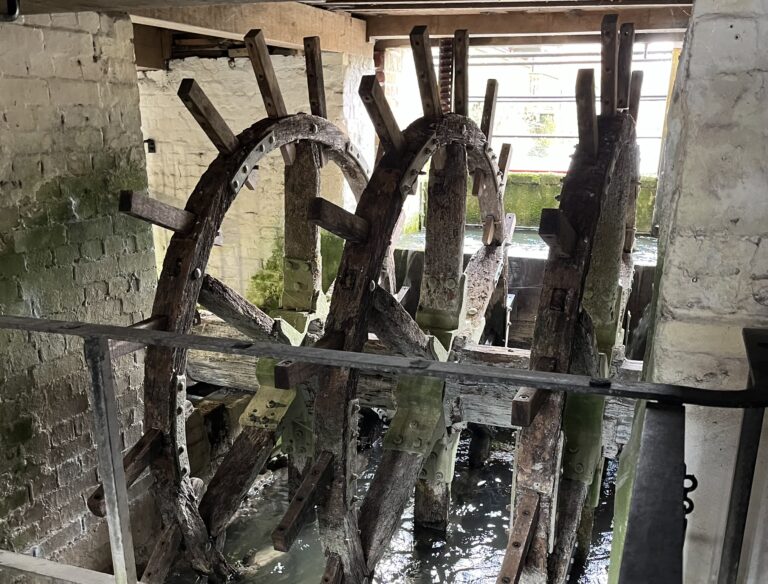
(40,238)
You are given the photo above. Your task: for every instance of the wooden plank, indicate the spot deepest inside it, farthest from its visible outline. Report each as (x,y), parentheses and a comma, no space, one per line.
(610,59)
(635,89)
(234,477)
(121,348)
(425,71)
(562,22)
(585,112)
(558,233)
(41,570)
(135,461)
(486,126)
(468,7)
(381,114)
(290,374)
(285,24)
(315,81)
(139,205)
(235,310)
(207,116)
(461,72)
(337,220)
(312,491)
(505,160)
(520,537)
(626,44)
(267,80)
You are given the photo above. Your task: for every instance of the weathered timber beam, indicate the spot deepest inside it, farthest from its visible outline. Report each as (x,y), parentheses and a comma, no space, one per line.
(290,373)
(388,364)
(635,88)
(207,116)
(585,112)
(313,57)
(381,115)
(267,81)
(461,72)
(610,60)
(626,44)
(337,220)
(469,7)
(525,406)
(141,206)
(32,569)
(520,537)
(425,71)
(120,348)
(505,160)
(394,327)
(486,126)
(558,233)
(135,461)
(235,310)
(285,24)
(234,477)
(166,547)
(334,571)
(564,22)
(312,491)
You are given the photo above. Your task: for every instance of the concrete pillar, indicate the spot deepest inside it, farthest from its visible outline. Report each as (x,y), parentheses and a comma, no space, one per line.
(713,270)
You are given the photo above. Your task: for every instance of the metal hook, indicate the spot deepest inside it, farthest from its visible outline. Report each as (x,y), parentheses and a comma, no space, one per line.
(12,11)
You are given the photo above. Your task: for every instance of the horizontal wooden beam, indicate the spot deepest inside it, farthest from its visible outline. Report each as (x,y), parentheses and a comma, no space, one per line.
(453,7)
(311,492)
(511,24)
(337,220)
(141,206)
(291,373)
(387,364)
(557,232)
(285,24)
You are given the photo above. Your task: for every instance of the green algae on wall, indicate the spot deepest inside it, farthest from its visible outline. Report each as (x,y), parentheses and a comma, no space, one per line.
(526,194)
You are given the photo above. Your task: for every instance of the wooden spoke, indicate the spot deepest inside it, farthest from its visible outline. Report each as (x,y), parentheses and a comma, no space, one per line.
(635,88)
(557,232)
(235,310)
(425,71)
(153,211)
(505,161)
(316,85)
(381,114)
(135,461)
(267,80)
(312,491)
(486,127)
(527,513)
(337,220)
(461,72)
(626,45)
(207,116)
(120,348)
(489,230)
(585,112)
(610,59)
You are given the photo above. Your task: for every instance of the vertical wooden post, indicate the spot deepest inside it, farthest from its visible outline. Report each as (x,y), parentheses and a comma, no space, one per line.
(609,59)
(486,126)
(425,71)
(106,424)
(635,88)
(585,112)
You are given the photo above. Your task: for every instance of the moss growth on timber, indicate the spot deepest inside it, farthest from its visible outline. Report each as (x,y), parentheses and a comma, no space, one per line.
(266,286)
(526,194)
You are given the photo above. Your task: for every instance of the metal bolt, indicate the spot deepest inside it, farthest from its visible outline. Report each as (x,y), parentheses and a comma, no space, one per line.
(579,467)
(414,424)
(450,283)
(438,476)
(397,440)
(472,311)
(196,273)
(271,403)
(417,443)
(313,128)
(372,286)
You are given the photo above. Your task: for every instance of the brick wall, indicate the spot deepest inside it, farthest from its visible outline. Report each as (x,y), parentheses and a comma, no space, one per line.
(254,224)
(70,139)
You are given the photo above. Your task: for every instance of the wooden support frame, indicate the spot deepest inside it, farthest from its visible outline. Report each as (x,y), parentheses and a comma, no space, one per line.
(139,205)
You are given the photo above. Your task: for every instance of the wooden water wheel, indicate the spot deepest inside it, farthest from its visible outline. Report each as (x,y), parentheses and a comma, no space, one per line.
(453,304)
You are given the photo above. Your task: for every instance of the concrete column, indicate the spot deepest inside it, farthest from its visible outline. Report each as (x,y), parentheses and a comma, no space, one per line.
(713,270)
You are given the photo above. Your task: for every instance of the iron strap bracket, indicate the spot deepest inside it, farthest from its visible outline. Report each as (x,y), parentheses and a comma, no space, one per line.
(299,292)
(269,406)
(419,409)
(439,466)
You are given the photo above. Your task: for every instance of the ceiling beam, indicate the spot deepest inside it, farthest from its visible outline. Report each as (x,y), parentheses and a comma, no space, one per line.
(285,24)
(52,6)
(521,24)
(410,7)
